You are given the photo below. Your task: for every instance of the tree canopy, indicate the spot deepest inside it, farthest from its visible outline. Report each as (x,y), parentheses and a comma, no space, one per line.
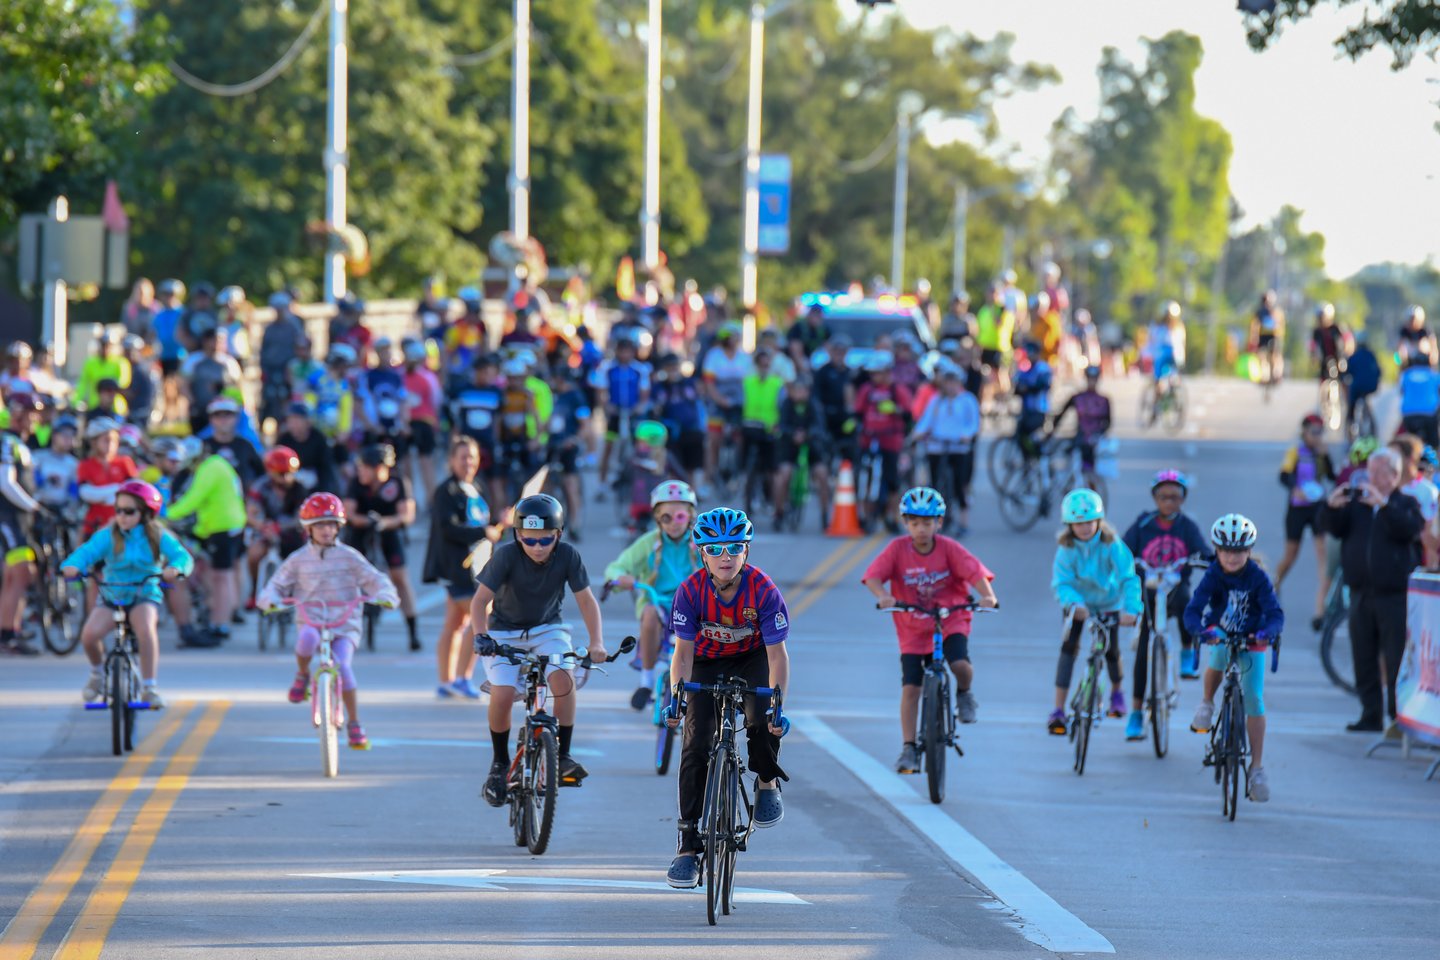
(1404,27)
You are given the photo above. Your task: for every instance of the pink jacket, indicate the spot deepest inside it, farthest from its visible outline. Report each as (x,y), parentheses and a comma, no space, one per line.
(336,575)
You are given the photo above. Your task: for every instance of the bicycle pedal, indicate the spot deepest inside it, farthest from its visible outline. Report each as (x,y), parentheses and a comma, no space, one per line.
(571,781)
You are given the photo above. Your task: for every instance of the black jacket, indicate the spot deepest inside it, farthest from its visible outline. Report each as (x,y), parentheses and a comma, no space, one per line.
(453,531)
(1378,548)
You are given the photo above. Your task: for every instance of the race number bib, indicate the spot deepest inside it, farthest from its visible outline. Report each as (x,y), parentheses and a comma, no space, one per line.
(477,419)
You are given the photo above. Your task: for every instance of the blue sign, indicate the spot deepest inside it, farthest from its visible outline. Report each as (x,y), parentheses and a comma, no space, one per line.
(774,203)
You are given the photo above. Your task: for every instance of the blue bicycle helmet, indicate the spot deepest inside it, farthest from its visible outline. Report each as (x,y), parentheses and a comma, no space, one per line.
(922,502)
(722,525)
(1081,506)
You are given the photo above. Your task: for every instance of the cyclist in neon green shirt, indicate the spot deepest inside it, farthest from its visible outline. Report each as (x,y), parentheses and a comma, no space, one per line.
(217,501)
(760,420)
(108,364)
(995,335)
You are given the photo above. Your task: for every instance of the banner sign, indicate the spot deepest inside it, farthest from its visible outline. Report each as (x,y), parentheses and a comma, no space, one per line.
(1417,691)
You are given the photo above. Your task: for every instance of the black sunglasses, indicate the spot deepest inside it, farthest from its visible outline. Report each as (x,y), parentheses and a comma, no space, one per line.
(127,511)
(539,541)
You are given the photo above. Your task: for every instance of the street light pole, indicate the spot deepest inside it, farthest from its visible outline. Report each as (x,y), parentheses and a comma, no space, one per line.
(650,213)
(962,217)
(910,105)
(337,159)
(519,181)
(750,204)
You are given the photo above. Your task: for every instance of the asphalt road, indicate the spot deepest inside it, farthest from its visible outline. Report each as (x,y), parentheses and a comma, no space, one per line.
(220,838)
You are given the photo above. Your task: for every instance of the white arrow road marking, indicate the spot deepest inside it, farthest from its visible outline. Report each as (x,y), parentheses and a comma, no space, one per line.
(492,880)
(1039,918)
(401,742)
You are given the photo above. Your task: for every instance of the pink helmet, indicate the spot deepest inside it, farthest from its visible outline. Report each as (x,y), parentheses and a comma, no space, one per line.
(148,496)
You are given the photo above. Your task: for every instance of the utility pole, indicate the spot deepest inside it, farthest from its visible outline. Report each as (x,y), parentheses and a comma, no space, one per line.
(337,156)
(750,204)
(650,212)
(519,181)
(961,218)
(55,302)
(911,103)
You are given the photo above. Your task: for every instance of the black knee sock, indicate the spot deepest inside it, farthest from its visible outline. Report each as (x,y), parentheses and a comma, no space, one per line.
(500,740)
(567,734)
(413,623)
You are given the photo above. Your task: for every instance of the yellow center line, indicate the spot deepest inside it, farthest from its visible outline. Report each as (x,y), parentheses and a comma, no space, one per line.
(22,936)
(87,936)
(833,578)
(810,579)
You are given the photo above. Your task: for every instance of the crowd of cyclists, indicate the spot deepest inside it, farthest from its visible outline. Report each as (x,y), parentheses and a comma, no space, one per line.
(193,449)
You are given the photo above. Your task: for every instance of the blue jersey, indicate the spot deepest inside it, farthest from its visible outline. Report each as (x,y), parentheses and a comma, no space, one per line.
(624,383)
(679,406)
(1419,391)
(164,325)
(756,617)
(1033,386)
(384,396)
(1242,604)
(570,412)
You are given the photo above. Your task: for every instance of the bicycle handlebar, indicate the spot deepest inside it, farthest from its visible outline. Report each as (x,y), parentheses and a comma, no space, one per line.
(519,657)
(611,586)
(939,612)
(304,605)
(1273,642)
(734,686)
(164,584)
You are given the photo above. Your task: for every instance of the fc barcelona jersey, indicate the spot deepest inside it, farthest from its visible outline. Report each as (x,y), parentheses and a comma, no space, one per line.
(754,618)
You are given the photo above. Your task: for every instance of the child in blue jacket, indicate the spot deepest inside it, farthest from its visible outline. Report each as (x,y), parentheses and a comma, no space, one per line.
(1093,571)
(1235,598)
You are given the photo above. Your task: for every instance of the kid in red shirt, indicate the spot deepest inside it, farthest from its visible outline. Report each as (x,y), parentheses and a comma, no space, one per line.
(101,474)
(928,570)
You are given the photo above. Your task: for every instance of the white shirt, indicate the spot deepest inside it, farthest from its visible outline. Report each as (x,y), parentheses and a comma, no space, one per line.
(950,423)
(1427,494)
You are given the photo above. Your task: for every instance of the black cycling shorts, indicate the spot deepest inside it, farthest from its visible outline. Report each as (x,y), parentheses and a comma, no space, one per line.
(1297,518)
(223,549)
(763,446)
(689,449)
(912,665)
(422,437)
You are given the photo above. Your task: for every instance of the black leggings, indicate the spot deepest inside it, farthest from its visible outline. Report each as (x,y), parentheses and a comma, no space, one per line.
(1175,610)
(962,469)
(1070,649)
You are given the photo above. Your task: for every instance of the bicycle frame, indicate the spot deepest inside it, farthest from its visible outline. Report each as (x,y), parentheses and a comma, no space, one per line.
(325,625)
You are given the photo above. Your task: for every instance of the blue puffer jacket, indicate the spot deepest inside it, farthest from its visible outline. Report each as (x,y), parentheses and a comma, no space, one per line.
(1099,575)
(134,563)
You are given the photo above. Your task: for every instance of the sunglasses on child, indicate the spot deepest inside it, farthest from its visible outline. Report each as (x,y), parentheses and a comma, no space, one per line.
(127,511)
(717,549)
(539,541)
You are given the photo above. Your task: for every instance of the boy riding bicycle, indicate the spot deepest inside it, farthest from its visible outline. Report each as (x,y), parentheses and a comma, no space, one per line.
(928,570)
(1235,598)
(324,570)
(729,621)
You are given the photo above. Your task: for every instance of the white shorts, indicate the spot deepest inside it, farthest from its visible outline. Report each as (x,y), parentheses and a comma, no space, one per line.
(549,638)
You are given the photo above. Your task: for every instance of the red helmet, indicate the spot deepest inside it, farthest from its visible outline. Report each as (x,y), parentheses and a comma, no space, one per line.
(322,506)
(148,496)
(282,460)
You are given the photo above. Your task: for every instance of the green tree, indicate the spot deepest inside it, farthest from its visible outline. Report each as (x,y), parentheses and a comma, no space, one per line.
(231,182)
(1405,27)
(74,82)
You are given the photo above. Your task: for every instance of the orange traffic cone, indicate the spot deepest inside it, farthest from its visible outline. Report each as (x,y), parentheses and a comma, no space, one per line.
(845,521)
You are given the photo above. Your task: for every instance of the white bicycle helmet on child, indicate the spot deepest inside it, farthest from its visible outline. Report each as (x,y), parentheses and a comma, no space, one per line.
(1234,532)
(673,491)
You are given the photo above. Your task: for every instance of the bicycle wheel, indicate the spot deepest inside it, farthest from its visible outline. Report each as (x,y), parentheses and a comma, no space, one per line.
(1147,406)
(933,705)
(63,614)
(715,831)
(115,682)
(519,803)
(1172,413)
(730,805)
(132,693)
(1003,462)
(1020,503)
(1335,652)
(1160,695)
(542,779)
(1234,756)
(664,734)
(1086,719)
(328,729)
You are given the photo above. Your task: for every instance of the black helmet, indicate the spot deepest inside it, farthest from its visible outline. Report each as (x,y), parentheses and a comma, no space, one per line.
(378,454)
(540,512)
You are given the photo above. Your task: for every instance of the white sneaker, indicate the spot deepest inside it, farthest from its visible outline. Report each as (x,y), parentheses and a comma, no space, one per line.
(965,705)
(94,687)
(152,697)
(1204,714)
(1259,785)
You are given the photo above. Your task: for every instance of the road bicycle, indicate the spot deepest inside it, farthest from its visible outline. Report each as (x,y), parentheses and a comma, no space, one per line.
(1229,745)
(534,775)
(57,603)
(124,691)
(1335,653)
(1165,401)
(728,817)
(937,728)
(662,693)
(327,706)
(1041,480)
(1162,686)
(1087,707)
(1332,394)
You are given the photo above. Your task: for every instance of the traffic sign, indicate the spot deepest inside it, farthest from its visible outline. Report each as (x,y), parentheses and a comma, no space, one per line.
(774,203)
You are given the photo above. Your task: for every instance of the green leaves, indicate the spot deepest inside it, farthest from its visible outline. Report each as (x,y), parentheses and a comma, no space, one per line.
(1405,27)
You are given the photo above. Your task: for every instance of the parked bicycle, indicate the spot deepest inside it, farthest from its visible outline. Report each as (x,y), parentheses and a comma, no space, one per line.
(1087,707)
(1030,485)
(1229,745)
(534,775)
(937,729)
(727,819)
(1335,654)
(124,688)
(662,694)
(58,604)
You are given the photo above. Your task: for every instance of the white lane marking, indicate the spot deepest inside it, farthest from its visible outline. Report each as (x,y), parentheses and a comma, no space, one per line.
(1039,918)
(491,880)
(401,742)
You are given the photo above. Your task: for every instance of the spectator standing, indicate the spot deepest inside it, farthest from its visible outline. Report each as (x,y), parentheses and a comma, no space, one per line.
(138,313)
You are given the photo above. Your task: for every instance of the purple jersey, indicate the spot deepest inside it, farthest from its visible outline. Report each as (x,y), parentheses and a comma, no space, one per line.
(756,617)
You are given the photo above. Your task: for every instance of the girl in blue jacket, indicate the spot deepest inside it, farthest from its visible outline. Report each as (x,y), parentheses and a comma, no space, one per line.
(132,546)
(1093,571)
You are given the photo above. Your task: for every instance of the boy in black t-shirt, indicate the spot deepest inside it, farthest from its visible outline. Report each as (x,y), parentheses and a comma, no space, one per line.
(379,504)
(526,581)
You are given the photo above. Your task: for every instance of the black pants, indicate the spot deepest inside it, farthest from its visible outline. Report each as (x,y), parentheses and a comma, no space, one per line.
(1070,651)
(1377,629)
(1175,610)
(701,721)
(962,471)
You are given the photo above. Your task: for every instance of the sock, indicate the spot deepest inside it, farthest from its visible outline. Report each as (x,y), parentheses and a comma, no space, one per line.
(7,634)
(500,740)
(149,681)
(97,670)
(413,623)
(647,678)
(567,734)
(911,743)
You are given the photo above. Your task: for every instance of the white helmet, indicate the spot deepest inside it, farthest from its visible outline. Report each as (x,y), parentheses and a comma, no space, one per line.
(1052,270)
(673,491)
(101,426)
(1234,532)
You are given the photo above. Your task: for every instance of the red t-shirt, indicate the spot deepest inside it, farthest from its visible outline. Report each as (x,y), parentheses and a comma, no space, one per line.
(940,578)
(882,414)
(94,473)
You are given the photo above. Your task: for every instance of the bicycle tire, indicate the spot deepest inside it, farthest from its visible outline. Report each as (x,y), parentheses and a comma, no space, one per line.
(328,729)
(664,733)
(1003,461)
(1086,721)
(1172,417)
(132,693)
(116,684)
(1335,633)
(61,627)
(1160,695)
(1234,754)
(518,820)
(933,706)
(542,780)
(714,831)
(1147,410)
(1020,504)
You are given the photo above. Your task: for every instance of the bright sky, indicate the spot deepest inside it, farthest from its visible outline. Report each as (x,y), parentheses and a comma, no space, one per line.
(1351,144)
